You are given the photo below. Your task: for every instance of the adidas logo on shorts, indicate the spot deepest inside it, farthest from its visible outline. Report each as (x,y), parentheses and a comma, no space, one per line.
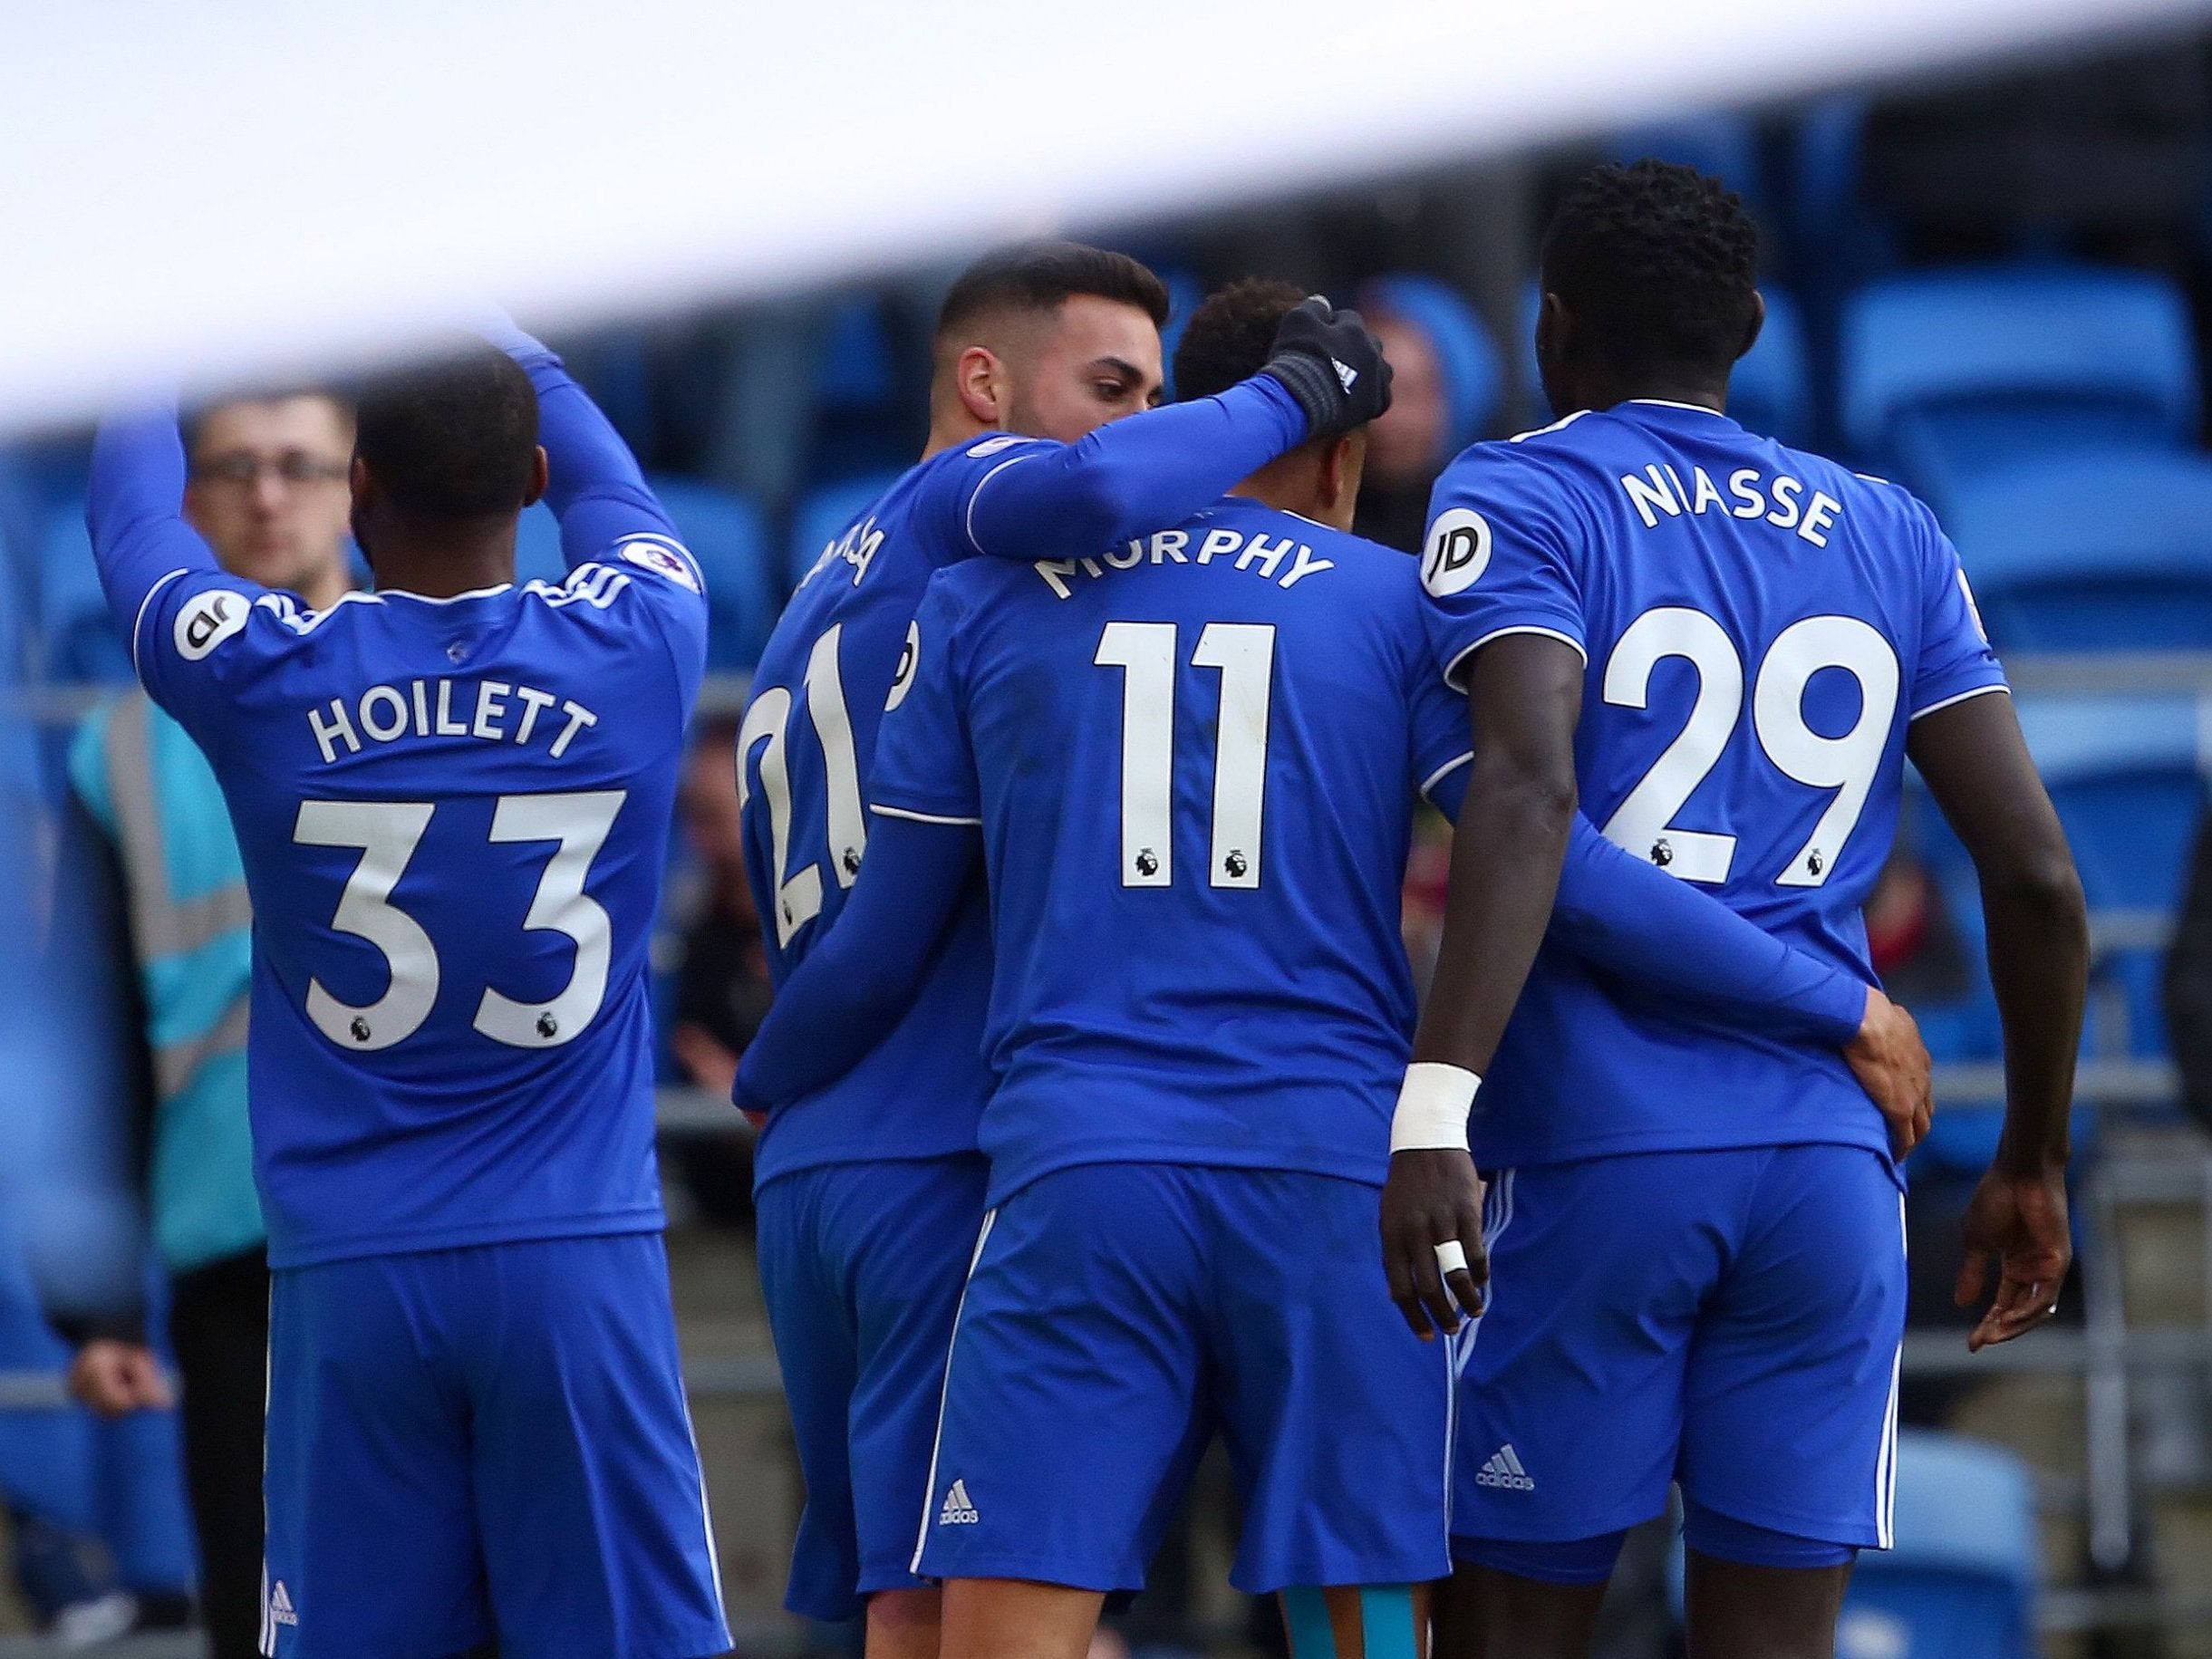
(1504,1470)
(280,1605)
(958,1511)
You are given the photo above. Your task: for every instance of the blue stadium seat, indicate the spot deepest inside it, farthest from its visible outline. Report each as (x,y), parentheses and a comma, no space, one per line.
(859,424)
(2098,552)
(821,517)
(1185,294)
(2126,775)
(1961,1582)
(1723,144)
(726,535)
(1951,375)
(537,547)
(78,639)
(1473,374)
(1770,390)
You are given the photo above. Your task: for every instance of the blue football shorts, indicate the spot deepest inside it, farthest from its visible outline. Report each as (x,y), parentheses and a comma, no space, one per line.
(486,1443)
(861,1265)
(1119,1316)
(1730,1320)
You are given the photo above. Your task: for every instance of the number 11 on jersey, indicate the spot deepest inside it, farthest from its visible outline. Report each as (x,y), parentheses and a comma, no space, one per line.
(1145,652)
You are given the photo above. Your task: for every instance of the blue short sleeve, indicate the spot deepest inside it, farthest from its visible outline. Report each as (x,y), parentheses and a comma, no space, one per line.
(1498,558)
(1956,662)
(924,764)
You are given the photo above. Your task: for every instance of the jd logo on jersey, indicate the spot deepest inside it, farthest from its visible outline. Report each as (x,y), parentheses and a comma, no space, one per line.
(1458,552)
(208,620)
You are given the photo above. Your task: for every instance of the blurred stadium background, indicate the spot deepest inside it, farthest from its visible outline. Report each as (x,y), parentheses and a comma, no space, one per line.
(1988,271)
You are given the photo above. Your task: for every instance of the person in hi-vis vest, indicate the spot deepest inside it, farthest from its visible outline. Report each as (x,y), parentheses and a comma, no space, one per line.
(268,490)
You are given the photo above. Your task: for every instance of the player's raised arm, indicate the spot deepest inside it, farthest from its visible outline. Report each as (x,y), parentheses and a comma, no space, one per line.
(1976,764)
(593,484)
(1325,376)
(134,510)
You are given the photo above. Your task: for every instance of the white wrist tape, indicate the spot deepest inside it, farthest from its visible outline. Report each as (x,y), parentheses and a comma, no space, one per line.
(1434,1102)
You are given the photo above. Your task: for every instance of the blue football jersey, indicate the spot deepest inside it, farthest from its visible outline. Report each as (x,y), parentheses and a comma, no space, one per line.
(1761,626)
(1194,759)
(806,760)
(452,816)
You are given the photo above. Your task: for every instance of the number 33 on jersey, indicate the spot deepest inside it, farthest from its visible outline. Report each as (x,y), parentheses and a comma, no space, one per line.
(1760,628)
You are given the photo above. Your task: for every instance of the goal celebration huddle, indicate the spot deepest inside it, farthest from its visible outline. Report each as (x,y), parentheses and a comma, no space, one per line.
(1101,1118)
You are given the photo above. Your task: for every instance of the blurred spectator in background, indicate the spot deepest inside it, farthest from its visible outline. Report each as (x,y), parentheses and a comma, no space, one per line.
(723,992)
(1910,938)
(1407,448)
(268,489)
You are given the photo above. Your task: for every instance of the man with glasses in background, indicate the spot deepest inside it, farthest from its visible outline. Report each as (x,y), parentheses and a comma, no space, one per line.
(268,490)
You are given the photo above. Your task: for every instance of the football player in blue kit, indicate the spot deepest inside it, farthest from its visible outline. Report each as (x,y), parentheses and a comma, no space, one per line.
(870,1190)
(1725,649)
(1187,761)
(452,799)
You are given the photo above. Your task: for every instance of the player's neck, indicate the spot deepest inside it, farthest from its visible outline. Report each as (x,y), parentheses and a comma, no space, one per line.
(951,426)
(438,560)
(1603,392)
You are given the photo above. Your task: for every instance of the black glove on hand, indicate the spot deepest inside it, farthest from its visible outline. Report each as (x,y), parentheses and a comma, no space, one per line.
(1328,361)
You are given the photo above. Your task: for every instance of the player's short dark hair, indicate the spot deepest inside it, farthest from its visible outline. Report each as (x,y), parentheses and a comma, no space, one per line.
(452,439)
(1659,263)
(1232,335)
(1040,276)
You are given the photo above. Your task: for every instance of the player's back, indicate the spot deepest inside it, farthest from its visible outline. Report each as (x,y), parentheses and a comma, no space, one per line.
(1760,625)
(1194,761)
(805,757)
(453,817)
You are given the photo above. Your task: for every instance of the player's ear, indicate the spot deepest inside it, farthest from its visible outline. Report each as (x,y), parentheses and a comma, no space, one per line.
(539,474)
(1342,463)
(1758,322)
(979,378)
(358,480)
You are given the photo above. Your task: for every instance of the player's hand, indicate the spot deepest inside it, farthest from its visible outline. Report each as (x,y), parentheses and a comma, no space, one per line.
(1332,365)
(2019,1220)
(1432,1197)
(115,1377)
(1892,1065)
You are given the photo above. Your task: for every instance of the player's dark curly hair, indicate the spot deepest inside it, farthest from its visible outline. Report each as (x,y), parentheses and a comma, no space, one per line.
(1659,263)
(1232,335)
(1038,275)
(453,438)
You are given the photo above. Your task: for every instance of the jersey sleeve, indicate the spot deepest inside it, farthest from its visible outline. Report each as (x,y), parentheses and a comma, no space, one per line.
(925,765)
(608,513)
(1661,935)
(1499,558)
(1028,498)
(1441,738)
(194,630)
(1956,662)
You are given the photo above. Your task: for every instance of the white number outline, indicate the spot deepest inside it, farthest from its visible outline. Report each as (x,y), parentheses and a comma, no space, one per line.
(799,893)
(1244,655)
(1643,823)
(387,833)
